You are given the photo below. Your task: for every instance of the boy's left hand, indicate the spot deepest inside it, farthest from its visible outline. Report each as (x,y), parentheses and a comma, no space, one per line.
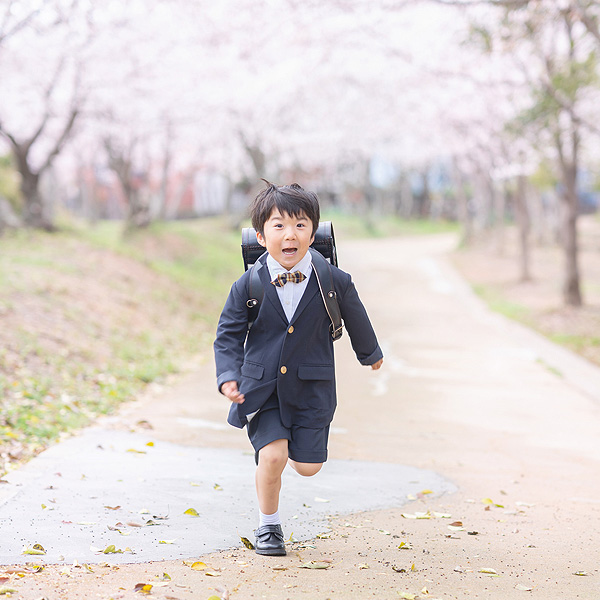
(377,365)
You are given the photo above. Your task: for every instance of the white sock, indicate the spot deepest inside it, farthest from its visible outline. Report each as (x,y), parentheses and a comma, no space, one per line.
(269,519)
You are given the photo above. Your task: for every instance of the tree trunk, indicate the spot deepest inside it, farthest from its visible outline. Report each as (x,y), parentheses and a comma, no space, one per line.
(462,208)
(407,200)
(35,213)
(8,218)
(524,227)
(499,200)
(570,168)
(571,285)
(138,209)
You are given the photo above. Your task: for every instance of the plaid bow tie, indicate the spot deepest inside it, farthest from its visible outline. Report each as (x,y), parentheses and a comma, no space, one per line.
(283,278)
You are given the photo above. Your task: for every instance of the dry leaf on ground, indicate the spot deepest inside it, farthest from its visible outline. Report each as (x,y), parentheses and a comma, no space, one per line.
(6,590)
(247,543)
(523,588)
(315,564)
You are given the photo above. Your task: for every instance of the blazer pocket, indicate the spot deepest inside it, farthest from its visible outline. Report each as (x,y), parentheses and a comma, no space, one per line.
(316,372)
(253,370)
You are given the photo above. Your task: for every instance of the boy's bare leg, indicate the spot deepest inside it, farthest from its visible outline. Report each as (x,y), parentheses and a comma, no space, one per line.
(272,459)
(305,469)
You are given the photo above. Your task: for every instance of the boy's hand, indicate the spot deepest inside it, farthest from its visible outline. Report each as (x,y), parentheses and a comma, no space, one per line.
(376,365)
(230,390)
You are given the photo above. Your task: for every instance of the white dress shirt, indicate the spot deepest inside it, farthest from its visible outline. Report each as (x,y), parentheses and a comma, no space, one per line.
(291,293)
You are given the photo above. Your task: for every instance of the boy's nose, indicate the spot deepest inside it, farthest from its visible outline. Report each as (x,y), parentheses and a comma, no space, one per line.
(290,233)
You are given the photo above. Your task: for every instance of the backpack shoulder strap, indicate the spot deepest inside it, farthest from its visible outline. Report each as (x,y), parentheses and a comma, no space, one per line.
(256,293)
(325,281)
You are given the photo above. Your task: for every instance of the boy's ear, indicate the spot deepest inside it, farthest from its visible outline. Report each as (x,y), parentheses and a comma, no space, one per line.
(260,238)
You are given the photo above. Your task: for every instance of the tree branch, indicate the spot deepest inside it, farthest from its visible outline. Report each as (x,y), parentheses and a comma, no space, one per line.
(502,3)
(9,137)
(589,22)
(24,22)
(61,140)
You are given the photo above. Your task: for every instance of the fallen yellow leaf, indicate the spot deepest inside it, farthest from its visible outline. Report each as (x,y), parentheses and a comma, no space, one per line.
(247,543)
(314,565)
(35,549)
(490,502)
(191,511)
(6,590)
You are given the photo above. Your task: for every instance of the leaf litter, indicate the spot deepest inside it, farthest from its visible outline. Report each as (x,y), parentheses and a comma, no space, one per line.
(315,564)
(247,542)
(36,549)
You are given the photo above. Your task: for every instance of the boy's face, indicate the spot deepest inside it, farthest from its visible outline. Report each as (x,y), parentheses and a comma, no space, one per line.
(286,238)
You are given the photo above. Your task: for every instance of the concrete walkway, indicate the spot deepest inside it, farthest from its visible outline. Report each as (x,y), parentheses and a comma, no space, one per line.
(106,487)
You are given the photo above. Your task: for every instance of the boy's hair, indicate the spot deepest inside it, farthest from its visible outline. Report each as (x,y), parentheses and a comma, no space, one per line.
(290,199)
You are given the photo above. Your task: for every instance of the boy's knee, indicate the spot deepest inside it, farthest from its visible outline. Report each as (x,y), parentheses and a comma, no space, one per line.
(306,469)
(274,455)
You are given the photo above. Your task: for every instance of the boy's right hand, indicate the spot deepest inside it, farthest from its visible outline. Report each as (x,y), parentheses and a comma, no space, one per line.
(230,390)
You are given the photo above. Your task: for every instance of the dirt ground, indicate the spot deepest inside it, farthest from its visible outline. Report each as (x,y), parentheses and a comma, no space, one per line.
(462,392)
(539,302)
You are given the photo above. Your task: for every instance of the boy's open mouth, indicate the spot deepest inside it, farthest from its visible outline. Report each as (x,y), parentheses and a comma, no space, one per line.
(289,251)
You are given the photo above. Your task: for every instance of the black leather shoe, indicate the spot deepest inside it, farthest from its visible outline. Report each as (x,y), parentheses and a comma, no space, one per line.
(269,540)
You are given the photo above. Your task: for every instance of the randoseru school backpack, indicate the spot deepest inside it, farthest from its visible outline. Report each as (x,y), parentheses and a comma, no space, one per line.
(323,254)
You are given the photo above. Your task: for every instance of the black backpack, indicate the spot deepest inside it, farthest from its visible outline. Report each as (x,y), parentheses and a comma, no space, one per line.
(323,254)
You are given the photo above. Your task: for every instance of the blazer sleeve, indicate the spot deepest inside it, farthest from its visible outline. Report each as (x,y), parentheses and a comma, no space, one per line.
(231,335)
(356,321)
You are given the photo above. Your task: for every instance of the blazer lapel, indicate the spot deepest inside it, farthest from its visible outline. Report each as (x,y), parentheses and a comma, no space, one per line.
(311,289)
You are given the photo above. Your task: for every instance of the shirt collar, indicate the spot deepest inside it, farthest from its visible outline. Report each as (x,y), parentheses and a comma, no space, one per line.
(305,266)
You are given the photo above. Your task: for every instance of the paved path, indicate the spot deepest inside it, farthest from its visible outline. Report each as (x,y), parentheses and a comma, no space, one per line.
(466,401)
(101,487)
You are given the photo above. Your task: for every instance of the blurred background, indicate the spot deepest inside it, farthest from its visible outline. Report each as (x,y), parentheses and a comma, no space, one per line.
(133,136)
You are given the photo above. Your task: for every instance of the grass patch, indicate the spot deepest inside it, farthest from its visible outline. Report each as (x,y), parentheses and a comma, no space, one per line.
(577,343)
(88,318)
(349,226)
(550,368)
(563,333)
(498,303)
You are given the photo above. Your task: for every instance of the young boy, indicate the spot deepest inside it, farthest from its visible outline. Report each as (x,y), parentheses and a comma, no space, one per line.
(280,375)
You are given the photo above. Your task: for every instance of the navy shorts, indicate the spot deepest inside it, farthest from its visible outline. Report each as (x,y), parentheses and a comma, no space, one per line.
(305,444)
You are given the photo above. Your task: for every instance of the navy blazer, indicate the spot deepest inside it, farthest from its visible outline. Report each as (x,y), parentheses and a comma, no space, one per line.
(294,359)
